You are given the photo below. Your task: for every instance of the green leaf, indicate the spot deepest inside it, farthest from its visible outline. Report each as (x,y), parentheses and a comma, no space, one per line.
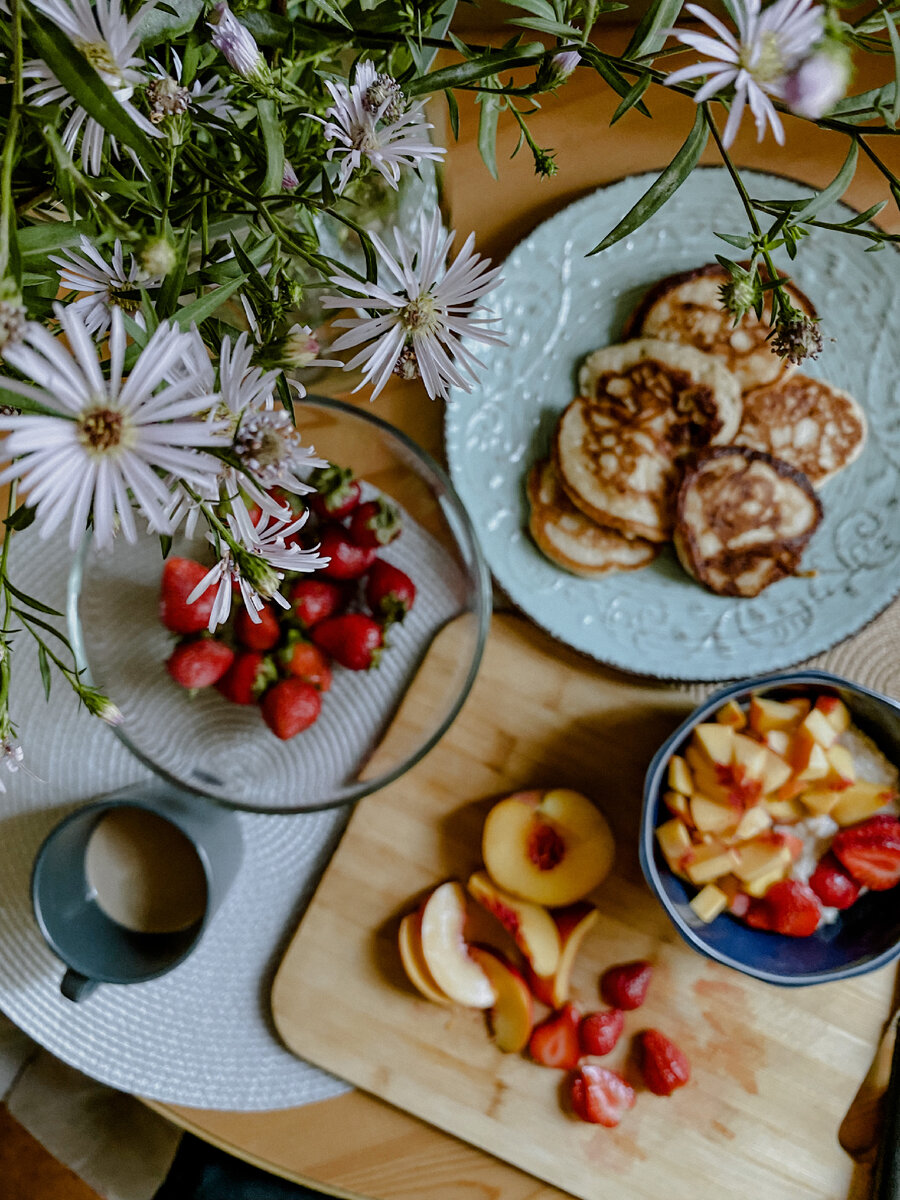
(866,105)
(173,284)
(742,243)
(55,235)
(488,117)
(273,139)
(551,28)
(662,187)
(869,215)
(365,241)
(610,75)
(650,34)
(332,12)
(895,47)
(204,306)
(165,544)
(21,518)
(634,94)
(476,69)
(44,665)
(158,25)
(835,189)
(453,113)
(31,601)
(85,86)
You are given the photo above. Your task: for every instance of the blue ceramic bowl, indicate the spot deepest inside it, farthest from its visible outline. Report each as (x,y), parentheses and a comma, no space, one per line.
(865,936)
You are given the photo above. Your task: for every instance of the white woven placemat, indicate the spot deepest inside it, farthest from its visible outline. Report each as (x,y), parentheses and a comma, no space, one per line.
(201,1035)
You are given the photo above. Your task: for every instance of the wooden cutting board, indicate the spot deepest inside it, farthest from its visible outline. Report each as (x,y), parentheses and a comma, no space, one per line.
(774,1069)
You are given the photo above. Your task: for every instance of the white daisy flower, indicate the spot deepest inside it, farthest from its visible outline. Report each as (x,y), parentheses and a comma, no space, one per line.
(106,443)
(240,385)
(768,45)
(108,39)
(417,330)
(169,97)
(270,448)
(256,563)
(370,120)
(104,285)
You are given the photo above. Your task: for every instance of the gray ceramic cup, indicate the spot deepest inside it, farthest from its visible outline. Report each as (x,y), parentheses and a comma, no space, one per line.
(95,947)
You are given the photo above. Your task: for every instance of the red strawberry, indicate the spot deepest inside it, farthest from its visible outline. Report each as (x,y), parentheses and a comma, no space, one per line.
(315,599)
(757,915)
(348,560)
(554,1043)
(290,706)
(870,851)
(626,986)
(337,492)
(199,664)
(599,1095)
(179,578)
(599,1031)
(354,640)
(247,677)
(389,591)
(663,1065)
(375,523)
(793,908)
(305,661)
(832,884)
(257,635)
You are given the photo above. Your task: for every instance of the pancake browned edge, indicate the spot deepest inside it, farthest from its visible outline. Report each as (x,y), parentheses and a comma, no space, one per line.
(743,520)
(686,308)
(570,539)
(645,406)
(809,423)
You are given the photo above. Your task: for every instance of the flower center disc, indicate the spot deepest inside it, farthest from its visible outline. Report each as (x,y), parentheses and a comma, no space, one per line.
(420,314)
(768,64)
(100,429)
(101,59)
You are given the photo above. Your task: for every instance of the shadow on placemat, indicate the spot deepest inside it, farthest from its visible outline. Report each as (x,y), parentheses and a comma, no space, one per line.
(203,1172)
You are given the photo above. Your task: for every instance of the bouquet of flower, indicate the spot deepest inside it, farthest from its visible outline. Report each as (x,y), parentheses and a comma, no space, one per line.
(168,174)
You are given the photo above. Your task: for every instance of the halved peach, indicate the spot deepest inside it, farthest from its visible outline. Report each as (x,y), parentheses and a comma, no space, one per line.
(550,847)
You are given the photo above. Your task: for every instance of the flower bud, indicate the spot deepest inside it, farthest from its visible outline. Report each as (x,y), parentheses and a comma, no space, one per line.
(816,84)
(300,347)
(158,257)
(289,178)
(101,706)
(560,67)
(237,44)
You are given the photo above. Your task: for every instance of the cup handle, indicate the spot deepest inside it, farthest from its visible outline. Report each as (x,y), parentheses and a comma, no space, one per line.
(75,986)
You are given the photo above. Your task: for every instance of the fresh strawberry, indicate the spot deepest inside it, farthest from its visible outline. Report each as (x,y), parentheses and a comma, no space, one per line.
(870,851)
(290,706)
(247,677)
(315,599)
(199,664)
(348,560)
(663,1065)
(257,635)
(305,661)
(375,523)
(336,494)
(599,1031)
(354,640)
(793,908)
(179,578)
(554,1043)
(599,1095)
(389,591)
(832,884)
(757,915)
(625,986)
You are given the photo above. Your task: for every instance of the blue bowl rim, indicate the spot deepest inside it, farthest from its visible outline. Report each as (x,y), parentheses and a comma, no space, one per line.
(647,844)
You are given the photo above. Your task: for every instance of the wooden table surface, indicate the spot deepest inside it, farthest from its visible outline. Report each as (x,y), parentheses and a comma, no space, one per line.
(355,1145)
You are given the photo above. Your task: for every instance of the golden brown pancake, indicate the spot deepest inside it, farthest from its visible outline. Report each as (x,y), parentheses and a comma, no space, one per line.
(570,539)
(645,406)
(686,308)
(809,423)
(744,519)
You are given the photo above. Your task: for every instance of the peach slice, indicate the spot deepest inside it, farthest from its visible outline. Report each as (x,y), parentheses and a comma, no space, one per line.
(715,742)
(445,951)
(732,714)
(511,1016)
(679,776)
(678,805)
(819,728)
(550,847)
(836,712)
(862,799)
(711,817)
(841,768)
(573,922)
(533,929)
(772,714)
(409,939)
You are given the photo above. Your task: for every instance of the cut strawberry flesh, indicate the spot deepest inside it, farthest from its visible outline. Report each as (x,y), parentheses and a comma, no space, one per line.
(664,1065)
(793,908)
(600,1096)
(870,852)
(625,986)
(554,1043)
(599,1031)
(832,884)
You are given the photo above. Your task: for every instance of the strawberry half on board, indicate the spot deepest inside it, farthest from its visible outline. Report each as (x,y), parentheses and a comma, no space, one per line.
(555,1042)
(626,985)
(870,851)
(599,1095)
(664,1065)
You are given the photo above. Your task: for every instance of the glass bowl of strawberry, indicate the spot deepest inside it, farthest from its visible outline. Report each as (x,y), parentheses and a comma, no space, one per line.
(771,828)
(293,709)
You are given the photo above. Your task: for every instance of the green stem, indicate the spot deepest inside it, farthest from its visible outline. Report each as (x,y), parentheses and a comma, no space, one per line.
(7,614)
(7,207)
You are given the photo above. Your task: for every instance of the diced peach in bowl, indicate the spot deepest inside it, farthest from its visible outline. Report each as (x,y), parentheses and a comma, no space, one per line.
(771,828)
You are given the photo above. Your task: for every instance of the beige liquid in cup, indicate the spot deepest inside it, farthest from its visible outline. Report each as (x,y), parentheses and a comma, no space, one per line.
(144,872)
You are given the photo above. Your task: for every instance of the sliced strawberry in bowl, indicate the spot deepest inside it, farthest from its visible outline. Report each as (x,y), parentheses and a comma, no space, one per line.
(599,1095)
(870,852)
(793,908)
(831,883)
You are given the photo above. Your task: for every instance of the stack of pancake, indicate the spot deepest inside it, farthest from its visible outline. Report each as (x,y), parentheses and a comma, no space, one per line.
(692,431)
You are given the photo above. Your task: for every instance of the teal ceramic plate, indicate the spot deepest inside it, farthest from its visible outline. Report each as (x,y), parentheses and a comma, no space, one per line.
(555,306)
